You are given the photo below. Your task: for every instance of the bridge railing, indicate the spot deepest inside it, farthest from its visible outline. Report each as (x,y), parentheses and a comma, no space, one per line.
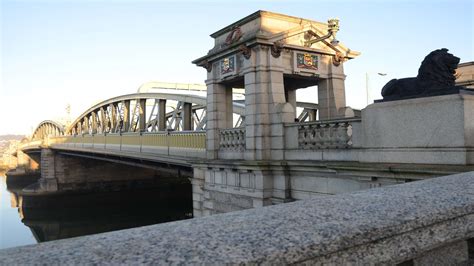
(325,135)
(34,144)
(183,144)
(319,135)
(232,139)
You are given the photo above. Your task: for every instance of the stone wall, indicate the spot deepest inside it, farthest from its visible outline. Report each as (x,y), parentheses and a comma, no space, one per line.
(226,186)
(64,172)
(429,222)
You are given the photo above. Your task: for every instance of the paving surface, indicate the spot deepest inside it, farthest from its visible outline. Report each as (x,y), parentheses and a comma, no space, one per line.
(375,225)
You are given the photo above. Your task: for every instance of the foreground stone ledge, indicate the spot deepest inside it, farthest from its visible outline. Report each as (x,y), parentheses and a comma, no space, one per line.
(386,225)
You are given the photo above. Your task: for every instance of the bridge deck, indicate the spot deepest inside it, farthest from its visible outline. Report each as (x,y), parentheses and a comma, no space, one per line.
(169,147)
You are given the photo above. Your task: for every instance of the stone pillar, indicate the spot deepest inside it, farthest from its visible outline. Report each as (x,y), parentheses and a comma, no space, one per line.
(48,181)
(161,115)
(219,115)
(265,105)
(197,183)
(312,115)
(187,116)
(290,95)
(142,115)
(332,93)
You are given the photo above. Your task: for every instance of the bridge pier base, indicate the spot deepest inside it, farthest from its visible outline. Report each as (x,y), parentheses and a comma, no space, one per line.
(48,181)
(220,188)
(62,172)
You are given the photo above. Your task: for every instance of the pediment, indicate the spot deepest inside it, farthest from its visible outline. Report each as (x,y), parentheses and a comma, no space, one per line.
(297,37)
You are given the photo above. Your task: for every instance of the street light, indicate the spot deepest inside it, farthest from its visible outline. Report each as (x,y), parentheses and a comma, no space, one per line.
(367,83)
(333,28)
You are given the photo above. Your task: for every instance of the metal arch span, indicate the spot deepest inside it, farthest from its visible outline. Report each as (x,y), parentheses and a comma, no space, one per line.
(146,112)
(47,128)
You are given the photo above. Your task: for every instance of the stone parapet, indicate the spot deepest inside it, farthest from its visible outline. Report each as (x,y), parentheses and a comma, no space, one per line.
(420,223)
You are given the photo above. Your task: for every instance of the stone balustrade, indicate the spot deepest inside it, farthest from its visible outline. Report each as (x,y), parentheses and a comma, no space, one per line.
(335,134)
(232,139)
(428,222)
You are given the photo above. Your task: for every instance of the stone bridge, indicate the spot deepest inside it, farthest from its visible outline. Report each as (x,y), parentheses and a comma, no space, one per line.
(266,149)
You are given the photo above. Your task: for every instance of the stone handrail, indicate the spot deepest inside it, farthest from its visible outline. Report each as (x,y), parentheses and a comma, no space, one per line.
(420,223)
(336,134)
(232,139)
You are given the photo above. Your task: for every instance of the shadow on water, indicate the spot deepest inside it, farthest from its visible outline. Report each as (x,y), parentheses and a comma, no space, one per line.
(76,214)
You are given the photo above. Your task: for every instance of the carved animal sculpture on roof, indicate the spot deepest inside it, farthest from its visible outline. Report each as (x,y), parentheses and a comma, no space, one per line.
(436,76)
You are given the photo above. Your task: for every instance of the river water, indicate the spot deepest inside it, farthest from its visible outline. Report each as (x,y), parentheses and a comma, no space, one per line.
(12,231)
(29,220)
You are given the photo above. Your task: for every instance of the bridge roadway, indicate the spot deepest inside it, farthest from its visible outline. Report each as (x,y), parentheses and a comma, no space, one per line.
(175,148)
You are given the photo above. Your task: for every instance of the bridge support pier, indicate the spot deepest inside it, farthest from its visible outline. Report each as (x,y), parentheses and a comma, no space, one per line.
(27,162)
(220,188)
(48,181)
(63,172)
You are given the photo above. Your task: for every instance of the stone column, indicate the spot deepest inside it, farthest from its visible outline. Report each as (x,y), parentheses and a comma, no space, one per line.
(187,116)
(197,183)
(265,103)
(332,93)
(312,115)
(290,95)
(161,115)
(48,181)
(219,115)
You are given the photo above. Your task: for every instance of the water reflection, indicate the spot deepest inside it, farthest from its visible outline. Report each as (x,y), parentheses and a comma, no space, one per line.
(77,214)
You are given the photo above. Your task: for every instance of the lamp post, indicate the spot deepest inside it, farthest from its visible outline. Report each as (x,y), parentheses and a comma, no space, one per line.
(333,28)
(367,83)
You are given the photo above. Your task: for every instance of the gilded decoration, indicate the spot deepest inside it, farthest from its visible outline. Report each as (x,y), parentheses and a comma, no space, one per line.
(307,61)
(228,65)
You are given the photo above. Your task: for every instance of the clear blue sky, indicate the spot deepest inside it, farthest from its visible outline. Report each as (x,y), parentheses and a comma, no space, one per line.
(78,52)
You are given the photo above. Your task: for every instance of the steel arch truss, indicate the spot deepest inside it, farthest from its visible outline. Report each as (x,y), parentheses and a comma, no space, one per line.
(47,128)
(147,112)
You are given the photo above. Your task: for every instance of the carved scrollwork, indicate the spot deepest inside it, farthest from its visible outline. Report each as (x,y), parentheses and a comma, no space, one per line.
(276,49)
(338,58)
(245,50)
(207,65)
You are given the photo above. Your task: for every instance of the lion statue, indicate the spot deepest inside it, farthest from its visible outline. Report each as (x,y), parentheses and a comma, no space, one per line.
(436,76)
